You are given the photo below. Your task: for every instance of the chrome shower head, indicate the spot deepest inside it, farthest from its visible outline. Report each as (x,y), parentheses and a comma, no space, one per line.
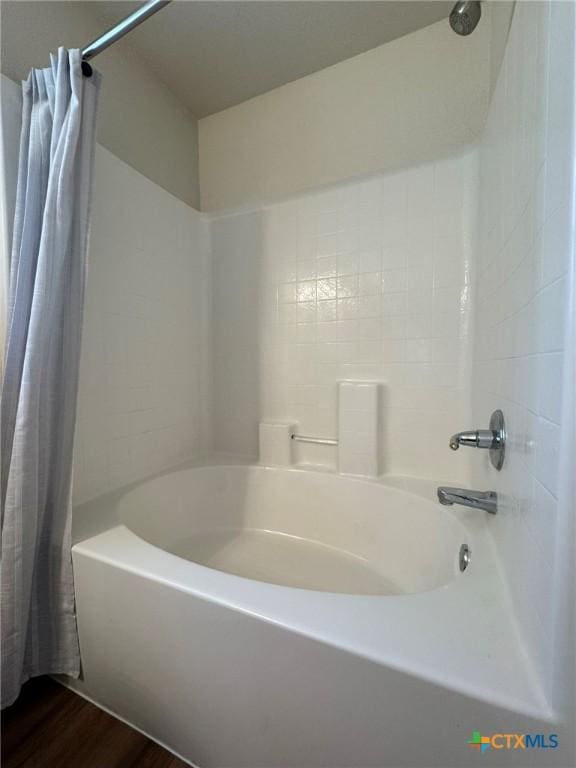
(465,16)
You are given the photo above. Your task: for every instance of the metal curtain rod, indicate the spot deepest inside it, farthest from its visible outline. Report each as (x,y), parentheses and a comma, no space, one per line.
(119,30)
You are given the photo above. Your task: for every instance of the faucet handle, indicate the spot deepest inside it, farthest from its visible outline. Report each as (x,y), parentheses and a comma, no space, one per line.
(493,439)
(478,438)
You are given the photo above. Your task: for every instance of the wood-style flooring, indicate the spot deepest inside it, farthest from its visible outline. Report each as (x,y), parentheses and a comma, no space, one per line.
(51,727)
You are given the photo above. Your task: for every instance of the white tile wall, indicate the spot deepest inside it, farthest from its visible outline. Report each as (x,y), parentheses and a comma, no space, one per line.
(368,280)
(143,399)
(524,235)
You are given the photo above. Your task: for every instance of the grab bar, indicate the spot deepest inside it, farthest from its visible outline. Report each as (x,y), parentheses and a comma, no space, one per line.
(315,440)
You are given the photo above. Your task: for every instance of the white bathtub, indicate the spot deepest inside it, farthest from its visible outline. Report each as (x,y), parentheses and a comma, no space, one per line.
(250,616)
(298,529)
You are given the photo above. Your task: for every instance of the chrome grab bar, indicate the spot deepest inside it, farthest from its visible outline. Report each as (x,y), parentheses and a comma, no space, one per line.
(314,440)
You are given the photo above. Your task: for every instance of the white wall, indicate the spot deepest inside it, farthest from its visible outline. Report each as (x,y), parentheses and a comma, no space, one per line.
(404,103)
(524,253)
(143,399)
(139,119)
(369,280)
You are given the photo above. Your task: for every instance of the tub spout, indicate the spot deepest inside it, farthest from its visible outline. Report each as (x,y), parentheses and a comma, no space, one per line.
(486,500)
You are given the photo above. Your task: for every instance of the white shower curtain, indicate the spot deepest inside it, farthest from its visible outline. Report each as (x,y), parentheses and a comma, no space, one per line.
(46,295)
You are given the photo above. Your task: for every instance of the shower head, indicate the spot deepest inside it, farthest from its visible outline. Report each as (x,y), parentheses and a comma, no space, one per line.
(465,16)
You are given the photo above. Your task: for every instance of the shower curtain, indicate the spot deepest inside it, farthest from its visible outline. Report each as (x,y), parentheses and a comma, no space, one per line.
(38,407)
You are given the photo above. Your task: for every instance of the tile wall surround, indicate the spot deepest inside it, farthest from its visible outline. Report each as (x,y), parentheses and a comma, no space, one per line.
(369,280)
(448,283)
(523,256)
(445,282)
(144,395)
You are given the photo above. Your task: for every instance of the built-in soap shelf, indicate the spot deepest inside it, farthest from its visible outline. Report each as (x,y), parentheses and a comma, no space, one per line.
(357,443)
(359,404)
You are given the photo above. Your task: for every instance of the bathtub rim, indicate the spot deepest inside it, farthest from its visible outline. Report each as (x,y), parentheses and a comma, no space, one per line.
(97,514)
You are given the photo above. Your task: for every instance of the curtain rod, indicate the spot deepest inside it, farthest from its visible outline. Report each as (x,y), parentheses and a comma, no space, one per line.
(119,30)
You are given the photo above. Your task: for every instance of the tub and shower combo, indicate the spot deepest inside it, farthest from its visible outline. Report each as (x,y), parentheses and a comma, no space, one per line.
(284,612)
(274,614)
(248,615)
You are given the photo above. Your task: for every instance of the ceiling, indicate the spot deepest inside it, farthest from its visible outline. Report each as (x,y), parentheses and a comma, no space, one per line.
(213,55)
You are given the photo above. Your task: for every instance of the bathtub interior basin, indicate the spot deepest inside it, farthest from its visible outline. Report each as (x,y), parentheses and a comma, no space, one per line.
(298,529)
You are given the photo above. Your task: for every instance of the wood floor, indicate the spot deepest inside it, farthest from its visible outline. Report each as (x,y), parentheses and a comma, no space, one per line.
(51,727)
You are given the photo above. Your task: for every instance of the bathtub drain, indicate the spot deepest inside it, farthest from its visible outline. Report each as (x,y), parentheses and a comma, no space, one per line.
(464,557)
